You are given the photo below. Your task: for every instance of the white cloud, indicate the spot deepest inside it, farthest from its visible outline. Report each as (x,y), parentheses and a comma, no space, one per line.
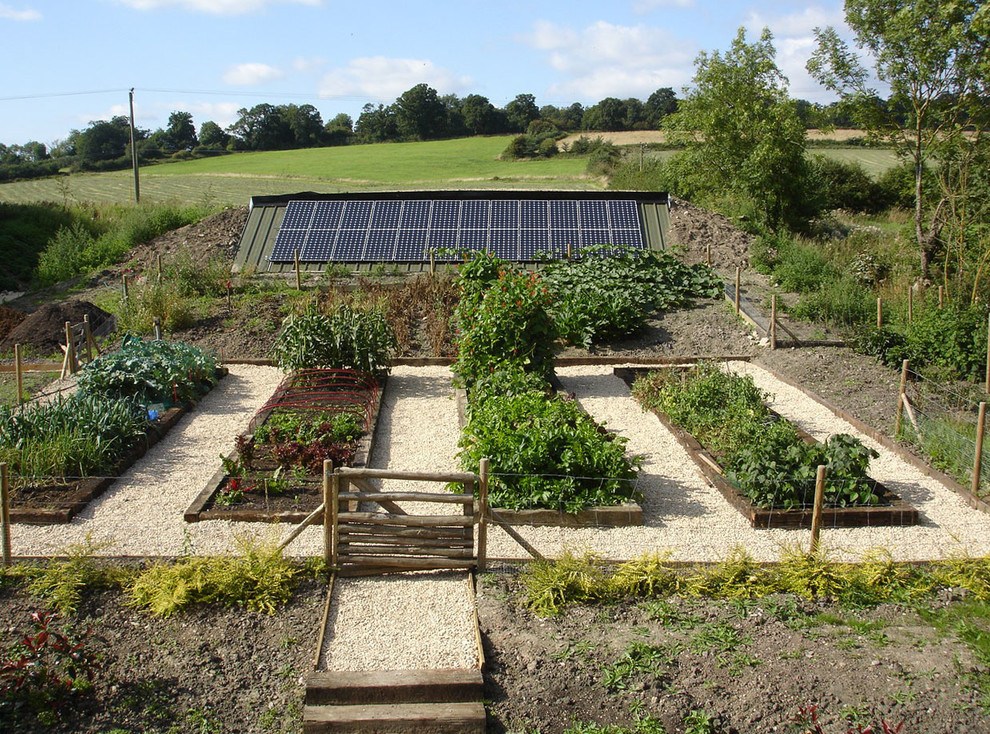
(214,7)
(382,78)
(250,74)
(607,60)
(310,64)
(9,13)
(642,7)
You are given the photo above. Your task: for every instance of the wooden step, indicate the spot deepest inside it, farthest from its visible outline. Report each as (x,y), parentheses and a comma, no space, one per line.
(408,718)
(343,687)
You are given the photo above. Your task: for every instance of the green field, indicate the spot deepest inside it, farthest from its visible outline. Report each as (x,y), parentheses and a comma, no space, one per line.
(465,163)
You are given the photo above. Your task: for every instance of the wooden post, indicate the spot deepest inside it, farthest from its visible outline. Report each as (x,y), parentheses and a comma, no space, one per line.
(978,456)
(900,399)
(124,281)
(19,372)
(708,254)
(158,258)
(568,250)
(88,334)
(816,513)
(330,512)
(941,296)
(482,513)
(879,312)
(738,279)
(295,259)
(773,321)
(910,304)
(157,328)
(5,513)
(70,349)
(433,262)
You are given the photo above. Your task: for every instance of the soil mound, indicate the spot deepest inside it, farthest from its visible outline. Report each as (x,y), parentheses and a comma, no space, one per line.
(214,238)
(44,330)
(694,230)
(9,318)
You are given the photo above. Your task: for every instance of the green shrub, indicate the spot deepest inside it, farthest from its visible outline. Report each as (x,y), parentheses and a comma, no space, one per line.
(346,337)
(843,301)
(193,278)
(152,300)
(847,186)
(65,255)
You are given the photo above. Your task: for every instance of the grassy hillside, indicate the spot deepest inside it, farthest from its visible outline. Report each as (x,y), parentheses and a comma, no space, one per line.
(446,164)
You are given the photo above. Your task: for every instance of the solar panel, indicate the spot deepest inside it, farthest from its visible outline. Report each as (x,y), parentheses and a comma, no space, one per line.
(563,215)
(475,240)
(533,242)
(409,230)
(297,214)
(380,245)
(287,241)
(356,215)
(318,246)
(416,215)
(504,243)
(623,214)
(385,214)
(446,215)
(350,245)
(474,214)
(628,237)
(505,214)
(591,237)
(326,215)
(411,245)
(593,214)
(533,214)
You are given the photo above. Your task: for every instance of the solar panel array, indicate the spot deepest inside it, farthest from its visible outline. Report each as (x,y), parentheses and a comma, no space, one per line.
(410,230)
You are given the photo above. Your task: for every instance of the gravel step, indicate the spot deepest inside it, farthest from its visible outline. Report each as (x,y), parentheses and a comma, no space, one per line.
(394,686)
(410,718)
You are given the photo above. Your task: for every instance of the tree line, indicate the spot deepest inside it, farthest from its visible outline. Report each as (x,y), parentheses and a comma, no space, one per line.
(420,113)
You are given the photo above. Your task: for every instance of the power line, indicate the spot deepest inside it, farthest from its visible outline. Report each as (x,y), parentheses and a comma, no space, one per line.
(63,94)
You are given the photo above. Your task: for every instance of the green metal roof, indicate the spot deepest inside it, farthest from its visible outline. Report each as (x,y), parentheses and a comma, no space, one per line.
(266,212)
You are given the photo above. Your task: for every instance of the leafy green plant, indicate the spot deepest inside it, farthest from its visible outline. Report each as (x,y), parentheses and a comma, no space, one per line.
(47,667)
(551,585)
(151,372)
(62,583)
(647,575)
(346,337)
(549,453)
(638,659)
(701,721)
(611,292)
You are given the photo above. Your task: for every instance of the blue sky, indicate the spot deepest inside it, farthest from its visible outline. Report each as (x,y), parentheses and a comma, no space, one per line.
(64,63)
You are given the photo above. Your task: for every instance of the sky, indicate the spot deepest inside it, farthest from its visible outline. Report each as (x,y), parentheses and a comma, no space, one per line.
(66,63)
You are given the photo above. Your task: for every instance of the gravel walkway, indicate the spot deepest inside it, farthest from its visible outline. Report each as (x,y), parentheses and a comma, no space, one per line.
(691,520)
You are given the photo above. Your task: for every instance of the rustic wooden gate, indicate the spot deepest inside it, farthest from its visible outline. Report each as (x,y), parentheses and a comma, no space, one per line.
(390,538)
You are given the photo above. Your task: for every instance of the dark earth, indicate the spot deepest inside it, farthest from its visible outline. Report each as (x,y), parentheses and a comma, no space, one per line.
(749,665)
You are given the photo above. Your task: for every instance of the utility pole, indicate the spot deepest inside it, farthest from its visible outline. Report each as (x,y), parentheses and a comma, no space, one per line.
(134,155)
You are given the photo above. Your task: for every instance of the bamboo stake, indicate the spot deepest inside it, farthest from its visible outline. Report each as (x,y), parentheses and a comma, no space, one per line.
(19,370)
(482,513)
(987,380)
(738,278)
(298,272)
(126,294)
(978,456)
(708,254)
(773,321)
(941,296)
(88,337)
(901,397)
(816,514)
(157,328)
(433,262)
(158,258)
(879,312)
(5,513)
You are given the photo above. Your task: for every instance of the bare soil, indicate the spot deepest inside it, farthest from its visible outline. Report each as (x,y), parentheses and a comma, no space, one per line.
(214,669)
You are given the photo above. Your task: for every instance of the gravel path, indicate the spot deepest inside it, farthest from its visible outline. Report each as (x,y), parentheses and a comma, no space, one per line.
(691,520)
(408,621)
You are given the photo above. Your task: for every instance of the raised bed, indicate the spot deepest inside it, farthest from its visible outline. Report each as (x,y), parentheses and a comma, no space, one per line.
(58,502)
(892,510)
(299,492)
(616,516)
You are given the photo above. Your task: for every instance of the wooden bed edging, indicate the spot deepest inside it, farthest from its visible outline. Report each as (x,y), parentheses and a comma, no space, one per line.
(896,513)
(197,512)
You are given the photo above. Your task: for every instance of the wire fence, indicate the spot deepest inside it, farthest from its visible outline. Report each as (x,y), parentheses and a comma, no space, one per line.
(942,422)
